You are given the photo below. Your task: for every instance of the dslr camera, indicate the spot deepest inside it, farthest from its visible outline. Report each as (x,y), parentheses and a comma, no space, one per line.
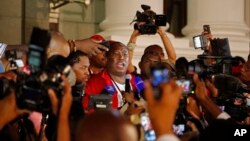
(31,87)
(148,21)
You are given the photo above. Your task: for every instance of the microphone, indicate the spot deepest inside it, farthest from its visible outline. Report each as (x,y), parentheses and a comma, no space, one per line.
(127,83)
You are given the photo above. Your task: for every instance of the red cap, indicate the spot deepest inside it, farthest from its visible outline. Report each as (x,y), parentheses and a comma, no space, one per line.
(97,38)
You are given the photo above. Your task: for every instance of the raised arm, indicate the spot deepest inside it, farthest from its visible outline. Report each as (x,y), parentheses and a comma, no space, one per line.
(63,129)
(167,45)
(87,46)
(131,45)
(205,101)
(162,112)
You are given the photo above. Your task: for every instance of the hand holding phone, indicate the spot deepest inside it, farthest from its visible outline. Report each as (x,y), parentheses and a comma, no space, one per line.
(159,74)
(149,133)
(206,28)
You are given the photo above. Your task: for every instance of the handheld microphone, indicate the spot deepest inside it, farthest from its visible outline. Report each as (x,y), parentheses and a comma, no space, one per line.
(127,83)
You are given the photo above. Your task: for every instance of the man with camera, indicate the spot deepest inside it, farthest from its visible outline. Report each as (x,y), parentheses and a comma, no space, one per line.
(152,53)
(10,111)
(148,22)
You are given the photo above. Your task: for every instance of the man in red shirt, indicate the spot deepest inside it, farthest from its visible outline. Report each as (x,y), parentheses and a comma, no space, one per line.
(111,80)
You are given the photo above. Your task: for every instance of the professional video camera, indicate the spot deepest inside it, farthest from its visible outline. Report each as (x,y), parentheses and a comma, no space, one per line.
(148,21)
(31,88)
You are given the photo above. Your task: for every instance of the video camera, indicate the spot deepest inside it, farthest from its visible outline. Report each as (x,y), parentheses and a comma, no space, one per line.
(31,87)
(148,21)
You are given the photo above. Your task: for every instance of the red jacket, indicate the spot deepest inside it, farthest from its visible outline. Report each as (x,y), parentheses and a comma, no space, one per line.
(102,83)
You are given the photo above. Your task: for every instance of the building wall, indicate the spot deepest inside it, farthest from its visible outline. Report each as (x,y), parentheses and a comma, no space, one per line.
(247,15)
(10,21)
(78,21)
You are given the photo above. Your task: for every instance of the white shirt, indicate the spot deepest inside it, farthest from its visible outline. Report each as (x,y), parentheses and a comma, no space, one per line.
(121,87)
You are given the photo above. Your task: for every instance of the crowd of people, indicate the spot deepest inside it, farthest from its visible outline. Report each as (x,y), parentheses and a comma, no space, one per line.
(99,67)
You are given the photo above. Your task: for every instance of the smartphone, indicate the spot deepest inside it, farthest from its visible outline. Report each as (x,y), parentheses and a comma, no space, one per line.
(179,129)
(186,86)
(179,126)
(149,133)
(159,73)
(19,63)
(206,28)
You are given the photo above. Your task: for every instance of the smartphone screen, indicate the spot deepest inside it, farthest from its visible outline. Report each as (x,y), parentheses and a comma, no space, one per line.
(179,129)
(149,133)
(2,49)
(159,75)
(19,63)
(186,85)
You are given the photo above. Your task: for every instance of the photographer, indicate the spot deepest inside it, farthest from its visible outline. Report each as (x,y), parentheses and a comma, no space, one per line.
(9,111)
(154,53)
(223,127)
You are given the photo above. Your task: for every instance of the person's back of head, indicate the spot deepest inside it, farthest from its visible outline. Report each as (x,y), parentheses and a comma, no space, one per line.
(181,67)
(106,126)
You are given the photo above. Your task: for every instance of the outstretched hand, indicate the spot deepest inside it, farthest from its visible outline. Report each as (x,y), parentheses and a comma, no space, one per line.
(162,112)
(200,91)
(89,47)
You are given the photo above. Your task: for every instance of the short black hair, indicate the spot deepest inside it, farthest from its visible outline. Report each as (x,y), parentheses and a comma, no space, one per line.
(74,57)
(113,45)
